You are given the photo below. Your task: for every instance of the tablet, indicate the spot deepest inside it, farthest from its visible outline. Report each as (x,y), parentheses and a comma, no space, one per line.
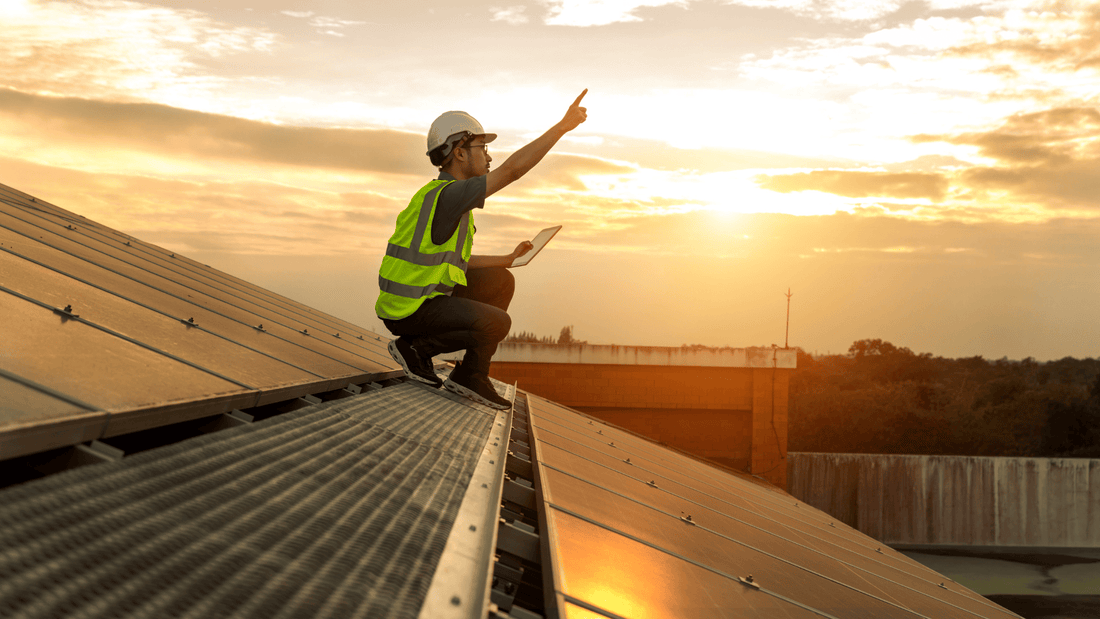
(539,242)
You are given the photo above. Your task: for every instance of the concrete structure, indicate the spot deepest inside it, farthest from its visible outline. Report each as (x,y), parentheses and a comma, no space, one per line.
(729,405)
(1024,532)
(956,500)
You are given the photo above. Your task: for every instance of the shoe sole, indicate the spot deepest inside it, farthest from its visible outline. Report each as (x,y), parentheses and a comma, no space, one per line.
(396,354)
(470,394)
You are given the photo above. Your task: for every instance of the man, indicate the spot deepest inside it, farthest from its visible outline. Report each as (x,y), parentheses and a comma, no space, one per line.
(435,295)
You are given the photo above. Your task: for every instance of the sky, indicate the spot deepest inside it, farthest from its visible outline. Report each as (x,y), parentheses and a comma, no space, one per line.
(927,173)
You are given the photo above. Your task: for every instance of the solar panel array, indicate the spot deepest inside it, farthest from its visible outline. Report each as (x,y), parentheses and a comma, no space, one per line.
(637,530)
(105,335)
(341,509)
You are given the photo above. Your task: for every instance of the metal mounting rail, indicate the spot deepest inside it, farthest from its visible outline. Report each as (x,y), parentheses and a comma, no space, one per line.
(461,585)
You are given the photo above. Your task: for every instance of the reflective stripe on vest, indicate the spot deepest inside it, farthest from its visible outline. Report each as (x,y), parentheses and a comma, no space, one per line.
(409,275)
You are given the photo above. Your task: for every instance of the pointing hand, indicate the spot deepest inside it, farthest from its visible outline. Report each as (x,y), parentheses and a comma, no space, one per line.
(576,114)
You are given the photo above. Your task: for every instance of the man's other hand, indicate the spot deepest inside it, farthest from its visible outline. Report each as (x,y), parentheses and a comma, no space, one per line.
(521,249)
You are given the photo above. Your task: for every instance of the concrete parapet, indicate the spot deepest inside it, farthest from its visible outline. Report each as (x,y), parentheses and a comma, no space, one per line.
(526,352)
(956,500)
(729,405)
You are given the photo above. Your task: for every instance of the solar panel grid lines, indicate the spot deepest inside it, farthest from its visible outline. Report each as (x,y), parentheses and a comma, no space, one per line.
(78,360)
(238,329)
(911,596)
(58,290)
(810,532)
(339,509)
(777,502)
(667,470)
(717,475)
(47,394)
(681,610)
(33,414)
(600,573)
(180,264)
(160,276)
(122,336)
(80,275)
(110,369)
(745,528)
(250,315)
(201,303)
(715,603)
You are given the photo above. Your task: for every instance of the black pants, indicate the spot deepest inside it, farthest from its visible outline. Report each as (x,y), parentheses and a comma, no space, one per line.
(474,318)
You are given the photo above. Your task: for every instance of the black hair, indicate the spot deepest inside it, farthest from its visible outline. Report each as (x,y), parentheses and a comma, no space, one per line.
(436,155)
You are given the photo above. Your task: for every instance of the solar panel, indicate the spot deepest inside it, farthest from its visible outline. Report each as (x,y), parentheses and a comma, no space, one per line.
(634,528)
(346,508)
(113,335)
(337,510)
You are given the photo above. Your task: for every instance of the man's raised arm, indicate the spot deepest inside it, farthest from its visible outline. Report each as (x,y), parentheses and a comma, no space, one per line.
(525,158)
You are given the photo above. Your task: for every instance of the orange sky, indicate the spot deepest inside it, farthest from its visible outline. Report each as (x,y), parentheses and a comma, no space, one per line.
(926,173)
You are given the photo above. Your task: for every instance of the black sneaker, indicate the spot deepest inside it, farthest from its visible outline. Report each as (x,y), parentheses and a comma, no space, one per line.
(416,367)
(478,389)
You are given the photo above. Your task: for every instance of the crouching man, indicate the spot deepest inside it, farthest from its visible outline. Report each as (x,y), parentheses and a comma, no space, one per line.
(435,295)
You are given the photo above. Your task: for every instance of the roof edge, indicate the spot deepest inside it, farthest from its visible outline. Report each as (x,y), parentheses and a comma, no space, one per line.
(600,354)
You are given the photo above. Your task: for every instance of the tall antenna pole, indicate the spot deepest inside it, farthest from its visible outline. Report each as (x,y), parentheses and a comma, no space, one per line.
(786,336)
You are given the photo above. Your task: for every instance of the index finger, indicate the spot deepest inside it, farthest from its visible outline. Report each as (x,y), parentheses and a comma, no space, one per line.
(578,101)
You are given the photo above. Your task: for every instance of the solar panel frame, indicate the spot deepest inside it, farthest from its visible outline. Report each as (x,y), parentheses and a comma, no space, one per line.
(722,508)
(163,278)
(183,266)
(147,298)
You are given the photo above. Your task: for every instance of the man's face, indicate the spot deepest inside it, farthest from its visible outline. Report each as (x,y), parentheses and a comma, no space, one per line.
(477,158)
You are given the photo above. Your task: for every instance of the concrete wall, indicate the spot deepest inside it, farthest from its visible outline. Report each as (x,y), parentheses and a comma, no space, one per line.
(733,412)
(955,500)
(664,356)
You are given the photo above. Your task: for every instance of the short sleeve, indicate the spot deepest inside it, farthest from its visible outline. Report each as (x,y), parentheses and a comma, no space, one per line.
(455,200)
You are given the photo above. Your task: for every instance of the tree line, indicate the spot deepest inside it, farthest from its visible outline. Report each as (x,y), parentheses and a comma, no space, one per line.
(881,398)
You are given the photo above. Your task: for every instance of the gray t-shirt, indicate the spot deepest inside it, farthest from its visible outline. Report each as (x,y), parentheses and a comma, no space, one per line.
(455,201)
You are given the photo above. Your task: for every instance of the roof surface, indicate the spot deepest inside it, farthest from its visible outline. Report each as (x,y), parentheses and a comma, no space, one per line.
(636,529)
(385,503)
(149,337)
(336,510)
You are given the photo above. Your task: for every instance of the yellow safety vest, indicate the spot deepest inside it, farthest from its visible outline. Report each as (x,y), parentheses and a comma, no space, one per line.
(415,269)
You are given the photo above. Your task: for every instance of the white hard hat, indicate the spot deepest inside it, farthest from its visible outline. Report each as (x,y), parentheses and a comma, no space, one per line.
(453,126)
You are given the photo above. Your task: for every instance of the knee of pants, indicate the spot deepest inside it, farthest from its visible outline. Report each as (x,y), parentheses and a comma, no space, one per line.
(505,325)
(497,325)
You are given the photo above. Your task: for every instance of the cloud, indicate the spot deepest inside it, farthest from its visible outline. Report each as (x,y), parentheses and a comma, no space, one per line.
(514,15)
(1038,165)
(564,171)
(605,12)
(857,184)
(112,48)
(149,127)
(241,216)
(954,72)
(1050,157)
(325,25)
(584,13)
(1066,39)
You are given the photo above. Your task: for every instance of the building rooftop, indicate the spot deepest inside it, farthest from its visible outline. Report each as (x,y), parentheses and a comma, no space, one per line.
(176,440)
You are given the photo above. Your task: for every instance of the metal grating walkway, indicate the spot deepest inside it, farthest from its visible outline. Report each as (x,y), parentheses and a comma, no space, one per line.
(337,510)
